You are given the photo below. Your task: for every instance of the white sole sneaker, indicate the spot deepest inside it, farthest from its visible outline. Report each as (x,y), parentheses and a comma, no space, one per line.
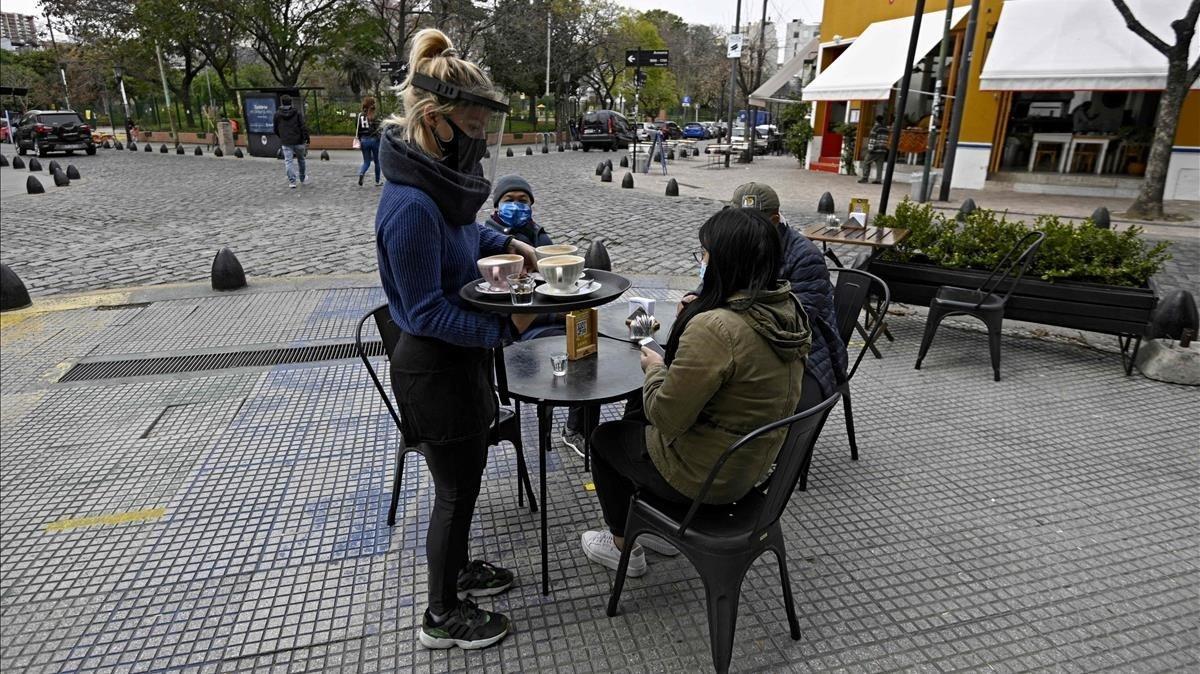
(598,546)
(435,643)
(657,544)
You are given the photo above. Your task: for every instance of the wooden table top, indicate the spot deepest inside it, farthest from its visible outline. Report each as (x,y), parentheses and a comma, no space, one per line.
(880,237)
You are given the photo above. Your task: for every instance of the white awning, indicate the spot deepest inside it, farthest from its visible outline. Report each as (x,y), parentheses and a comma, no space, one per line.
(1079,45)
(870,67)
(762,95)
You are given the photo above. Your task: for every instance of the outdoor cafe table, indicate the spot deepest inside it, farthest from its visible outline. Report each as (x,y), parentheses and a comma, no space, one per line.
(609,375)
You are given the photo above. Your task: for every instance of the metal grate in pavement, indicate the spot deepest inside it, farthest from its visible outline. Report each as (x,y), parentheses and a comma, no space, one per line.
(202,362)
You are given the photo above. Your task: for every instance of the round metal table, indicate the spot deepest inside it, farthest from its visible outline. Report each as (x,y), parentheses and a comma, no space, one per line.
(611,374)
(613,326)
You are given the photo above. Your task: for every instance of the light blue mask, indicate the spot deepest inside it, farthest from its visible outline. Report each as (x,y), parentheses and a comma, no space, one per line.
(703,267)
(515,214)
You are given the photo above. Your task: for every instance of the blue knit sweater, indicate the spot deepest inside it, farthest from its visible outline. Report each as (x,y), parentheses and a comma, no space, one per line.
(427,243)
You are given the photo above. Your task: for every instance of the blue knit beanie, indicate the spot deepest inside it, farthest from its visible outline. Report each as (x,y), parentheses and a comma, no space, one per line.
(507,184)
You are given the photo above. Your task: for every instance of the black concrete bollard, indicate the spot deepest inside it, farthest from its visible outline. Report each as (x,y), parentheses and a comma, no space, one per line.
(657,158)
(966,209)
(627,181)
(561,148)
(3,160)
(1101,218)
(624,162)
(132,146)
(35,166)
(606,175)
(545,150)
(695,152)
(162,149)
(198,152)
(34,186)
(596,257)
(149,148)
(72,172)
(227,273)
(608,163)
(13,294)
(61,179)
(508,152)
(1175,314)
(18,163)
(324,155)
(106,145)
(528,151)
(218,153)
(672,188)
(825,205)
(179,149)
(117,145)
(54,166)
(237,152)
(670,154)
(600,168)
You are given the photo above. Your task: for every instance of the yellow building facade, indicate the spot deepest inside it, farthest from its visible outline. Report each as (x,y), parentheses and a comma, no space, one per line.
(1046,112)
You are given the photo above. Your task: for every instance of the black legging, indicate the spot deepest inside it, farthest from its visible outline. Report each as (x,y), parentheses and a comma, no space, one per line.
(621,466)
(457,470)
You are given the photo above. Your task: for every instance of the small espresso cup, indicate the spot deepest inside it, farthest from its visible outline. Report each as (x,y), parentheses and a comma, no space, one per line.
(497,268)
(555,249)
(561,271)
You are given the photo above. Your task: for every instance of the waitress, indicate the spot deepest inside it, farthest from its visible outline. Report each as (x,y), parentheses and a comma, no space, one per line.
(427,243)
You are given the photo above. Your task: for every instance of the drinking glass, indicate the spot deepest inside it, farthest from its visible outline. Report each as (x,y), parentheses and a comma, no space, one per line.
(833,222)
(558,363)
(521,288)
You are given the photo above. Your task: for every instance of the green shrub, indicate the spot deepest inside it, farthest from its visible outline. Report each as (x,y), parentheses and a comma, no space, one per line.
(1070,252)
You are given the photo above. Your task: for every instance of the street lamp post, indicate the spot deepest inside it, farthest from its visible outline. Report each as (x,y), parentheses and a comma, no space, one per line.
(119,74)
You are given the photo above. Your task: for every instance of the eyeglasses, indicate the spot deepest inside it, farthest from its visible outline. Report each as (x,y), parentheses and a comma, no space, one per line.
(698,256)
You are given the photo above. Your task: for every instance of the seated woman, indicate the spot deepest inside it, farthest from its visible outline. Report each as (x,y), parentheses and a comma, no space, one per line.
(734,362)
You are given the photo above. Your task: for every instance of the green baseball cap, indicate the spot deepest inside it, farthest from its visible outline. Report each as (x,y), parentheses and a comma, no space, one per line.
(755,195)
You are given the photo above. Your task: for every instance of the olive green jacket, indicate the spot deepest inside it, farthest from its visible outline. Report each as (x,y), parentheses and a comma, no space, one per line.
(736,368)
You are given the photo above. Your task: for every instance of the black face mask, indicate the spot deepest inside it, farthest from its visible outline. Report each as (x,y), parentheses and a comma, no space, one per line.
(461,152)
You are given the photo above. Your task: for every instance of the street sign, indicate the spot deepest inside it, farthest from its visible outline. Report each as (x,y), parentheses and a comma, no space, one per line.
(658,58)
(687,100)
(734,45)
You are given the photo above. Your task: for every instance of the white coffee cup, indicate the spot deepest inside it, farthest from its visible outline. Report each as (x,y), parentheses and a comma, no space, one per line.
(555,249)
(561,271)
(495,270)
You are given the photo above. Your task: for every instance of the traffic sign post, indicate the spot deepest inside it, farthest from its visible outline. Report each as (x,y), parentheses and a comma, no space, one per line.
(637,59)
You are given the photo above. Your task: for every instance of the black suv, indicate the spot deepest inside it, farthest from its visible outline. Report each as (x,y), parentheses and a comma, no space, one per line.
(606,129)
(44,131)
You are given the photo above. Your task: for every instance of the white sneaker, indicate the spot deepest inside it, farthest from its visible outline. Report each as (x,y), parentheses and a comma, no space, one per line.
(292,186)
(599,547)
(657,544)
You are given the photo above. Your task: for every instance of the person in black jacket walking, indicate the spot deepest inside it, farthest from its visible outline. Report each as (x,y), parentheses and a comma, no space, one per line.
(368,139)
(292,130)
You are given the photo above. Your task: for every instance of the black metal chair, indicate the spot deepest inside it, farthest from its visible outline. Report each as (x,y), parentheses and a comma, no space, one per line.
(722,541)
(983,302)
(507,427)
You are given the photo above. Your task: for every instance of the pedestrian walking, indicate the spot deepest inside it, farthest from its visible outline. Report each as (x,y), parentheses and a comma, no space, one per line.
(427,241)
(877,151)
(368,139)
(292,130)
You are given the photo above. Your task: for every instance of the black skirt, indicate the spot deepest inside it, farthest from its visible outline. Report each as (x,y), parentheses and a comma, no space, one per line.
(445,392)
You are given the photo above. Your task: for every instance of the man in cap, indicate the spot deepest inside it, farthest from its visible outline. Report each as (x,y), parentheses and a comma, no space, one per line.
(804,268)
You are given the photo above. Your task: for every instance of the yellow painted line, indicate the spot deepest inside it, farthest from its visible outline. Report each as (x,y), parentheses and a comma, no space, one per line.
(589,486)
(144,515)
(45,305)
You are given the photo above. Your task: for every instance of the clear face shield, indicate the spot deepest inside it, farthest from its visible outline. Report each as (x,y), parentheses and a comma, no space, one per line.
(479,117)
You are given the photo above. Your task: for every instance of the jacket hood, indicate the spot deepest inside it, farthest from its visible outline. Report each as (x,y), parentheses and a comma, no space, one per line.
(457,195)
(530,229)
(778,318)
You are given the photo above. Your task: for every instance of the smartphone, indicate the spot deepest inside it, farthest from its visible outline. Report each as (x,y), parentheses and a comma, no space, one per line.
(649,343)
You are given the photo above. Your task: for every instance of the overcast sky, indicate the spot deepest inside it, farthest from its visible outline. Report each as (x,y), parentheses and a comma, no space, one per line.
(709,12)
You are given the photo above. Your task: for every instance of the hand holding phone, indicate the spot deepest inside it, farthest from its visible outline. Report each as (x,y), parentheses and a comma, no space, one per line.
(650,343)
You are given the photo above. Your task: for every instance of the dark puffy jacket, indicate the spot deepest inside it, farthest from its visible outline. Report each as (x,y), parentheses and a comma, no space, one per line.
(290,126)
(804,268)
(532,233)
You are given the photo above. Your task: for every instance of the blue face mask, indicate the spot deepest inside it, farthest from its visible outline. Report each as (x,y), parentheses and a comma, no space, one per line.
(703,267)
(515,214)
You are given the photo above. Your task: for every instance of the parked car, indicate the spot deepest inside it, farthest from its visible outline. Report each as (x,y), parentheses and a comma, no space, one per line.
(671,129)
(695,130)
(606,129)
(644,129)
(44,131)
(738,139)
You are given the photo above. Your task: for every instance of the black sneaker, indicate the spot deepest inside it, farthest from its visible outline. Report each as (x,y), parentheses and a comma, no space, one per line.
(468,627)
(480,579)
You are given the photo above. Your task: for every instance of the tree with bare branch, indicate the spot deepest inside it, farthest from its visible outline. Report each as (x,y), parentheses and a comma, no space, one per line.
(1180,77)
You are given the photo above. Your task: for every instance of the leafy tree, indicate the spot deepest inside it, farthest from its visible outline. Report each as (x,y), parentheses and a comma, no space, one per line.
(288,34)
(1180,76)
(795,127)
